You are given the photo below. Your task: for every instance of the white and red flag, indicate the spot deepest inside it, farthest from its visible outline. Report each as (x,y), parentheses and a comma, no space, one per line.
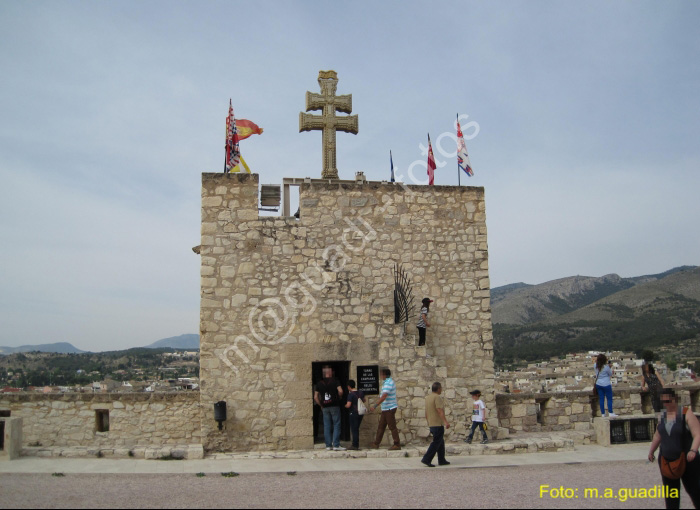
(233,152)
(431,164)
(462,156)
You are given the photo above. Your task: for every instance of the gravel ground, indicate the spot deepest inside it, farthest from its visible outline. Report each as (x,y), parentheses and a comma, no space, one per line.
(502,487)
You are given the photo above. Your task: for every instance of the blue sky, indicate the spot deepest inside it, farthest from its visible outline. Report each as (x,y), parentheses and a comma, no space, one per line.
(587,141)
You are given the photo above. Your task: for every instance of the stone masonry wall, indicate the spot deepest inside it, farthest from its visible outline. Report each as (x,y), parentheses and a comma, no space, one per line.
(549,412)
(281,293)
(138,419)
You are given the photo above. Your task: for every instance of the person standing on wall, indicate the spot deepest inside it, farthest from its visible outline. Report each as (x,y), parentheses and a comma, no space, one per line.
(423,321)
(389,405)
(354,397)
(435,414)
(327,395)
(603,384)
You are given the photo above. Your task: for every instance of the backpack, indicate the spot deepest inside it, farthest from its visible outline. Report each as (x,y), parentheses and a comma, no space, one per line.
(329,393)
(361,407)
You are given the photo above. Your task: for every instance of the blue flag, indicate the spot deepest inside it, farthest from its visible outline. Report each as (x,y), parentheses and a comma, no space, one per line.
(391,160)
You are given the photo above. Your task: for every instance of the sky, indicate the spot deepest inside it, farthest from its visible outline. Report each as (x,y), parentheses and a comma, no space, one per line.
(581,119)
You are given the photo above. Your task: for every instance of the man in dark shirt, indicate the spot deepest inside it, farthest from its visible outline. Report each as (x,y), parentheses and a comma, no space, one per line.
(327,394)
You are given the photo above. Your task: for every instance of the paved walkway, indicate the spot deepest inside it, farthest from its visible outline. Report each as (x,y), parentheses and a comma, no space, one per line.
(581,454)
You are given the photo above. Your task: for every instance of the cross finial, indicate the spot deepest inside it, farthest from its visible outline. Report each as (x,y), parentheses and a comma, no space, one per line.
(328,122)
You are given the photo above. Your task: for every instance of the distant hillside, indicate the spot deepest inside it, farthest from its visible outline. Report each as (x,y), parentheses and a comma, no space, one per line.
(177,342)
(519,303)
(61,348)
(583,313)
(499,293)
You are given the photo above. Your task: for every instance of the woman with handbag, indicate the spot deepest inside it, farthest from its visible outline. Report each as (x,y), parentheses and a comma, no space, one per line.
(678,434)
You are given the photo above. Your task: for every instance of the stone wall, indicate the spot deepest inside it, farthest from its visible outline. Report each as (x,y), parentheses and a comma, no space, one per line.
(138,419)
(549,412)
(279,294)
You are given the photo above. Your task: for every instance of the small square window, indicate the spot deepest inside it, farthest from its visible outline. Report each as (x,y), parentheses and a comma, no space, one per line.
(102,420)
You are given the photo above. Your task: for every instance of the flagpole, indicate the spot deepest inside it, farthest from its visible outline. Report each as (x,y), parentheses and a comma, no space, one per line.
(459,175)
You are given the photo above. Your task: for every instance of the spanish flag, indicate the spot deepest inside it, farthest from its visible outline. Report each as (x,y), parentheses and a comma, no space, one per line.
(247,128)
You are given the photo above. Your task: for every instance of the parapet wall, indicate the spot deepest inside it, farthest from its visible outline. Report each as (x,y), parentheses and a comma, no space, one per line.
(138,419)
(551,412)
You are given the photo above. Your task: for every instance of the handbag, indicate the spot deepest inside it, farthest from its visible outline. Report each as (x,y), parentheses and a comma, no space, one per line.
(594,393)
(673,470)
(361,408)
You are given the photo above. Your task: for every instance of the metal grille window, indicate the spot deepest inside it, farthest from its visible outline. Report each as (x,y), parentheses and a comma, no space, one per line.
(617,432)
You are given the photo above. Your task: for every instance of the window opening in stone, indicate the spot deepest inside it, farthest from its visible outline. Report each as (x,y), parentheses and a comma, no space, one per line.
(2,435)
(102,420)
(541,408)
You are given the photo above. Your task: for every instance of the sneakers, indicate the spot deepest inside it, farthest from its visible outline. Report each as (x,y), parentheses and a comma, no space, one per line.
(468,440)
(340,449)
(612,415)
(394,448)
(328,448)
(485,441)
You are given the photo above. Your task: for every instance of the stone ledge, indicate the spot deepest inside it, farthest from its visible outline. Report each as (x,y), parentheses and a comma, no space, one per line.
(176,452)
(506,447)
(102,398)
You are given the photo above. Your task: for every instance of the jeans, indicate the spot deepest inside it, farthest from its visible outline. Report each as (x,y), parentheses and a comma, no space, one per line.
(331,426)
(355,422)
(603,393)
(436,447)
(475,425)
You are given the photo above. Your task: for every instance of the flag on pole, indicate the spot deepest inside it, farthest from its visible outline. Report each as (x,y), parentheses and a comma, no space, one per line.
(247,128)
(233,152)
(237,169)
(391,160)
(431,164)
(462,156)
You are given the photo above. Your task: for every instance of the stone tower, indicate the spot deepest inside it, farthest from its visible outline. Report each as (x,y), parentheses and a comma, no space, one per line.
(282,295)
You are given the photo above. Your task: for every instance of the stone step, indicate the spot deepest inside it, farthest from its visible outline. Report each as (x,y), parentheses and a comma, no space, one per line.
(506,447)
(175,452)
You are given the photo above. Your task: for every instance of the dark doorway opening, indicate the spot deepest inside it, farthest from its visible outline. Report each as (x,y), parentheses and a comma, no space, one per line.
(2,435)
(341,371)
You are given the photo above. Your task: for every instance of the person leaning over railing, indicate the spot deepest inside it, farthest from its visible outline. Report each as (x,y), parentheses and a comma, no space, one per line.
(678,434)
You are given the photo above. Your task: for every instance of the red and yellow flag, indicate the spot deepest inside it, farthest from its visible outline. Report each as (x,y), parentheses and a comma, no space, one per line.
(247,128)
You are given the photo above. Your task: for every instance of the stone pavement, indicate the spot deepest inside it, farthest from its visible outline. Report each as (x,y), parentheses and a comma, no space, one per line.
(341,462)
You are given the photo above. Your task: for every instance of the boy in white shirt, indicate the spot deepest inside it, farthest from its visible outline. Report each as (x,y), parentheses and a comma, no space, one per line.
(478,417)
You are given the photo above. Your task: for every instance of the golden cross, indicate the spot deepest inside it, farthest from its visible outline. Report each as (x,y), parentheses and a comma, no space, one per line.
(328,122)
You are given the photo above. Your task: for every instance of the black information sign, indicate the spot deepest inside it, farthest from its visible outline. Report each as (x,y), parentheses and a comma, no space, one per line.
(368,379)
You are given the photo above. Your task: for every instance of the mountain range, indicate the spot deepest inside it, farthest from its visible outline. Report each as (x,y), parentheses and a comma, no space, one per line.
(61,348)
(186,342)
(533,322)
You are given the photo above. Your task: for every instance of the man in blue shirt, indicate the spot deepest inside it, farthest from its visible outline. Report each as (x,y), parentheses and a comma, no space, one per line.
(389,405)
